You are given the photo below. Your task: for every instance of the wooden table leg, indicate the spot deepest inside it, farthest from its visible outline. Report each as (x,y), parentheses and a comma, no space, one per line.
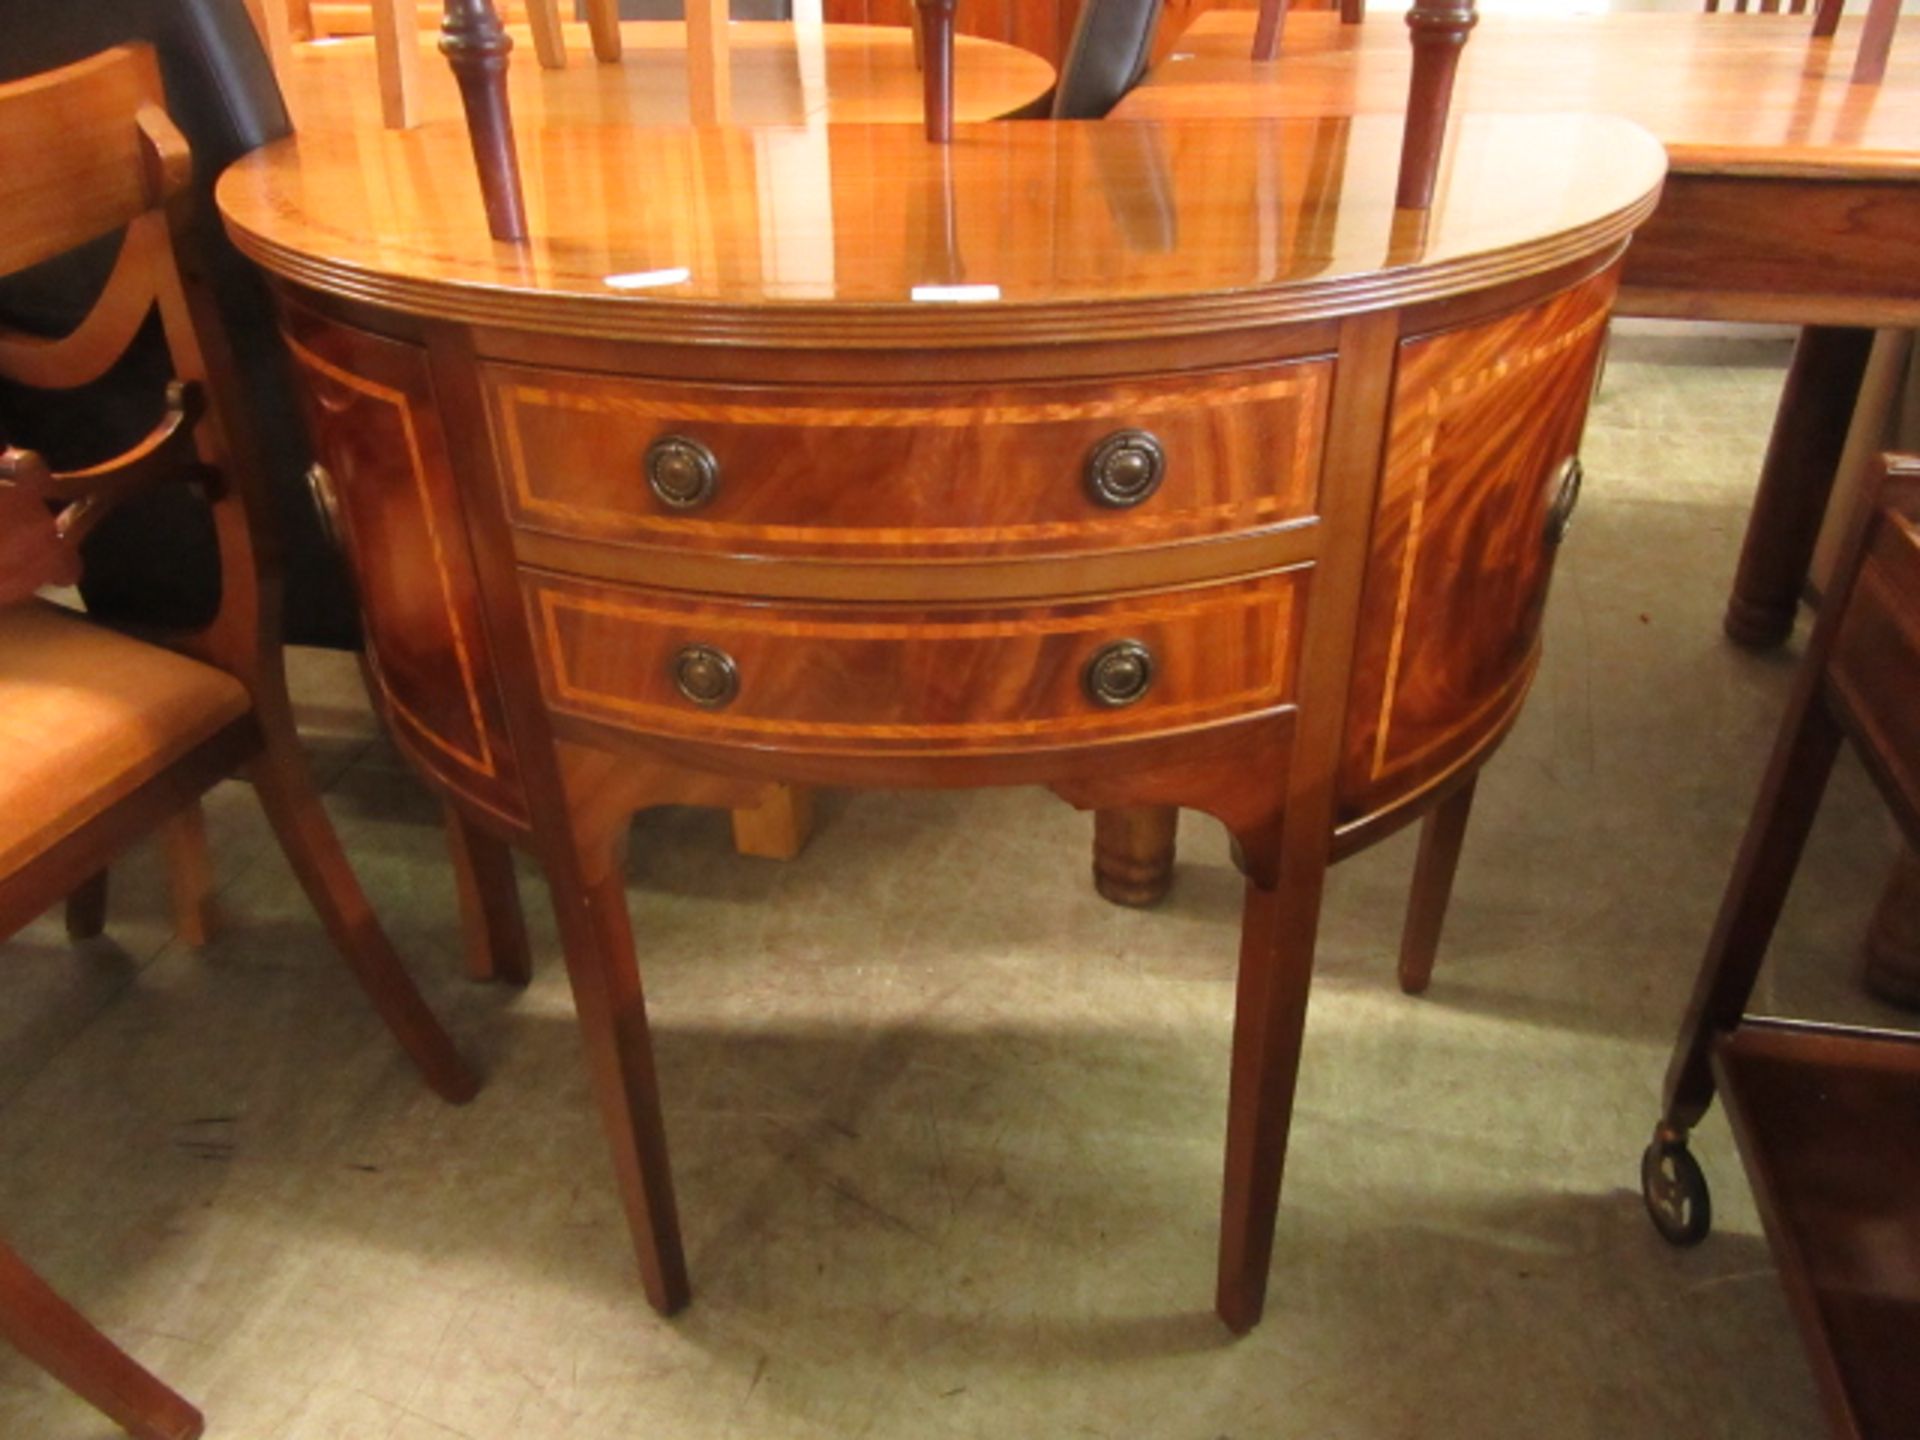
(1269,1022)
(1809,434)
(493,928)
(1133,850)
(936,71)
(1441,835)
(590,901)
(1893,940)
(86,912)
(778,827)
(64,1343)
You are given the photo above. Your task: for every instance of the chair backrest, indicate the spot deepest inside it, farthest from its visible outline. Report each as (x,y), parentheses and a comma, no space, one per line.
(92,151)
(1105,58)
(1876,38)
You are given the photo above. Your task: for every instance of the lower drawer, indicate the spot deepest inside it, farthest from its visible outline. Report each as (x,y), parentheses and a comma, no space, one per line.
(869,678)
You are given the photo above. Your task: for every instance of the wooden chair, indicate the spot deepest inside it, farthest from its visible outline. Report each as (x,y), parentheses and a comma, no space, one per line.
(1827,1116)
(107,736)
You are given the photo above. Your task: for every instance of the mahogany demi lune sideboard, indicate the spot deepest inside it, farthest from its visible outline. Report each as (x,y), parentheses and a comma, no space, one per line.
(1160,464)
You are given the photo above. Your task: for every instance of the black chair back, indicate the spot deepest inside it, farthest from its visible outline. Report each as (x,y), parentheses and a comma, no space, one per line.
(1106,57)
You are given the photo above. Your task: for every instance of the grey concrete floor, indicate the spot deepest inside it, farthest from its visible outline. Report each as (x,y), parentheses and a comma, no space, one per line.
(947,1127)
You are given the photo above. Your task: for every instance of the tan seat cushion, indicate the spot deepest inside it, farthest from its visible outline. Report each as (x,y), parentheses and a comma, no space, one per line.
(87,716)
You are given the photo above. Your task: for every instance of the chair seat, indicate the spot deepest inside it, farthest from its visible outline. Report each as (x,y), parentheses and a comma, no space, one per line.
(86,717)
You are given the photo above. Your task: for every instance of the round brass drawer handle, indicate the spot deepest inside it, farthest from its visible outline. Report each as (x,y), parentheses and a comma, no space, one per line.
(1566,496)
(1119,674)
(326,504)
(682,472)
(707,676)
(1125,468)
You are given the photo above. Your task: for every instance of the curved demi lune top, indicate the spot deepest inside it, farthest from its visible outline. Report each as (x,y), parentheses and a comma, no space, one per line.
(866,236)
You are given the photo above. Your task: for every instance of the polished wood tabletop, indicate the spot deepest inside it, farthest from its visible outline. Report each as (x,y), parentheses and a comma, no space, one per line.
(813,234)
(1747,94)
(783,74)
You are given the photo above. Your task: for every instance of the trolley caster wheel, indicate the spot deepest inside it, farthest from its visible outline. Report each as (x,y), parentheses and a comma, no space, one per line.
(1675,1189)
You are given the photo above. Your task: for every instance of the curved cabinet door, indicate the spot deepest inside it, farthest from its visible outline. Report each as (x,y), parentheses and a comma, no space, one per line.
(394,505)
(1473,497)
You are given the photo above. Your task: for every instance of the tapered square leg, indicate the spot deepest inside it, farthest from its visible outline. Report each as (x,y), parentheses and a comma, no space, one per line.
(1442,834)
(1270,1013)
(590,901)
(493,929)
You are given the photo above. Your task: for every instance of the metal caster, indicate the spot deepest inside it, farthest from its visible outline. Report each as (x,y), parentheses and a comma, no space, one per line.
(1675,1189)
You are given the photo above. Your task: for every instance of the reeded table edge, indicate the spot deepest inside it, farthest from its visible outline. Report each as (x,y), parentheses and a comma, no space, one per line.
(902,324)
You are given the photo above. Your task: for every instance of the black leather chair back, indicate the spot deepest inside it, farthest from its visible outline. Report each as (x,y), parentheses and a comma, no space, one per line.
(1106,57)
(677,10)
(155,559)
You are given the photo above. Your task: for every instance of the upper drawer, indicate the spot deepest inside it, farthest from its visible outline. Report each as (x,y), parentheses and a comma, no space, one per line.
(909,473)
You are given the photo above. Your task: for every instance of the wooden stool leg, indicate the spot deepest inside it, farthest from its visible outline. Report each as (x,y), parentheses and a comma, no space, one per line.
(189,874)
(1809,434)
(1789,797)
(313,849)
(61,1341)
(1440,29)
(1133,851)
(1441,836)
(590,900)
(1893,940)
(779,827)
(493,929)
(936,68)
(87,908)
(1270,1012)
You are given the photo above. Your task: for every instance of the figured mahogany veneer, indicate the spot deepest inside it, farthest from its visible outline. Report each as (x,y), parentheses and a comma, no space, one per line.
(1484,419)
(908,472)
(870,552)
(921,679)
(391,496)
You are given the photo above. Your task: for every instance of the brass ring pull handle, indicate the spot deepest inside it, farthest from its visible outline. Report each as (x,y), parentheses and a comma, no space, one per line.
(681,472)
(707,676)
(1566,496)
(1119,674)
(1125,468)
(326,503)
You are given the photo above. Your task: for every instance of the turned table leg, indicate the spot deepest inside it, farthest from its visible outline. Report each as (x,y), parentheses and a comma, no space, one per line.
(1133,851)
(1809,434)
(1893,940)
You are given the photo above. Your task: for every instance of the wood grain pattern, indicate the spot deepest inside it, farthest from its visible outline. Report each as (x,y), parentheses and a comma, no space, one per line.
(1074,230)
(874,678)
(909,472)
(1724,93)
(1482,419)
(782,75)
(370,406)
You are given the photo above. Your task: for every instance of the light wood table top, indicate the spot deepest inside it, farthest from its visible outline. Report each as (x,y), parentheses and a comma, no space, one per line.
(783,74)
(1725,93)
(868,234)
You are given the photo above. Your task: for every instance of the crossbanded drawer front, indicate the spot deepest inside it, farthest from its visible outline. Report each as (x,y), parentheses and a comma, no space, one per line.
(866,678)
(910,472)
